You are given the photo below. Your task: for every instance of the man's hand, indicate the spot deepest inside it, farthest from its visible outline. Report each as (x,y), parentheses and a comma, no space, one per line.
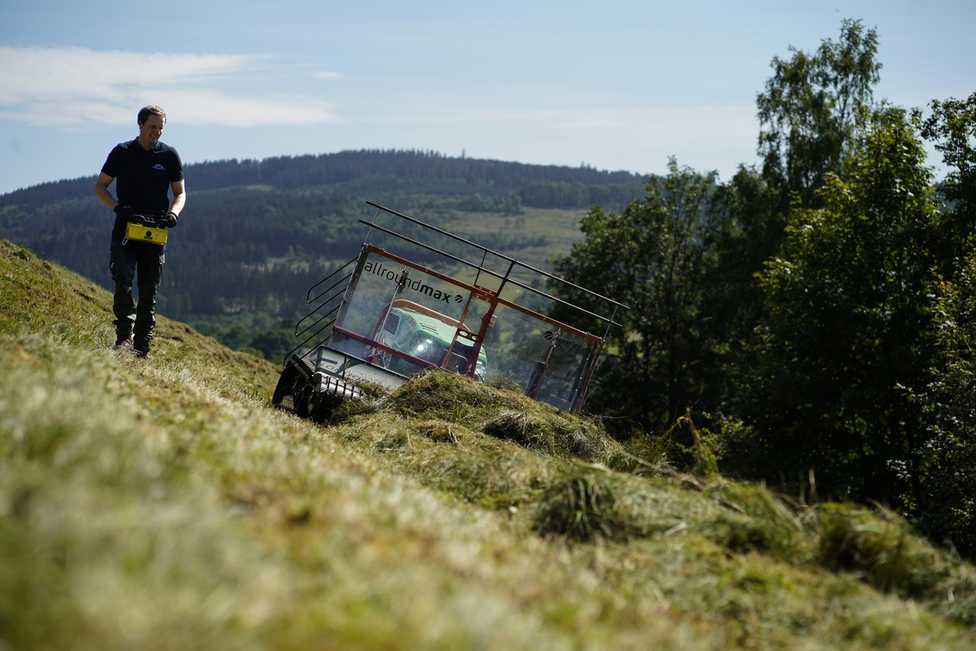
(123,211)
(170,219)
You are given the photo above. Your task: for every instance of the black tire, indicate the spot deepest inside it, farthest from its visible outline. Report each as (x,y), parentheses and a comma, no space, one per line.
(303,391)
(322,408)
(285,386)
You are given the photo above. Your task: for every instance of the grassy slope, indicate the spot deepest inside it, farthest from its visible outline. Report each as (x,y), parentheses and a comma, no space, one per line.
(161,504)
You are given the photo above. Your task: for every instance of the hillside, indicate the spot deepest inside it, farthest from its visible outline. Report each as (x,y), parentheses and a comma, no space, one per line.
(162,504)
(256,234)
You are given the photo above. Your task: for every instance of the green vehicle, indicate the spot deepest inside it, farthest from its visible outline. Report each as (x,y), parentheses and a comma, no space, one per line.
(430,336)
(384,317)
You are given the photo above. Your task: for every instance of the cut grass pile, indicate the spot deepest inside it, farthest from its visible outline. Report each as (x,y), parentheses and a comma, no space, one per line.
(163,505)
(505,414)
(105,534)
(880,547)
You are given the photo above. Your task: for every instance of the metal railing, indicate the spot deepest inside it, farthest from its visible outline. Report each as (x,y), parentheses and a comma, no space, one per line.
(324,309)
(319,324)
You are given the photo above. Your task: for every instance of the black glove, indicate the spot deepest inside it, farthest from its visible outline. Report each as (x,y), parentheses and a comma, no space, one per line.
(170,219)
(123,211)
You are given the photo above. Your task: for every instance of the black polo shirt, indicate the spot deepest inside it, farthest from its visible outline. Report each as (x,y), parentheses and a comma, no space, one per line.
(143,177)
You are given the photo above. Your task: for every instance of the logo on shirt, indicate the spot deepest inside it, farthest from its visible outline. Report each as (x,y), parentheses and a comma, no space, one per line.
(159,167)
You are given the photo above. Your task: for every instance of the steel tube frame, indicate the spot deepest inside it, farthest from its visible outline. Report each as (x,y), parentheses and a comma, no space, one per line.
(476,291)
(495,253)
(486,294)
(505,279)
(334,272)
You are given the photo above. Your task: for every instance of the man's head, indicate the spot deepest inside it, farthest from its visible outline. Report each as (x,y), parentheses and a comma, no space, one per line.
(152,120)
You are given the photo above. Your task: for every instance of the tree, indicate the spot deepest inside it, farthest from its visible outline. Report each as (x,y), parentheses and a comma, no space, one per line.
(952,127)
(651,256)
(748,229)
(809,111)
(848,307)
(945,504)
(809,114)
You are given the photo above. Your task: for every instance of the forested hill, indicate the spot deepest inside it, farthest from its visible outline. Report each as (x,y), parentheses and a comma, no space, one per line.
(256,234)
(541,186)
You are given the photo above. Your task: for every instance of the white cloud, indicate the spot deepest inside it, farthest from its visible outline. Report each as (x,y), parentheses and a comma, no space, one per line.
(326,75)
(206,108)
(75,86)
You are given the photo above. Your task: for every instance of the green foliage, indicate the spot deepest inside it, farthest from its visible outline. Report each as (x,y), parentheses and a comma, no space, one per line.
(848,305)
(945,504)
(810,108)
(652,257)
(952,128)
(270,337)
(748,229)
(687,448)
(809,112)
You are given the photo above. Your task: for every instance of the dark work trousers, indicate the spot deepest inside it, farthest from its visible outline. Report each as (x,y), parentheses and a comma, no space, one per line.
(143,262)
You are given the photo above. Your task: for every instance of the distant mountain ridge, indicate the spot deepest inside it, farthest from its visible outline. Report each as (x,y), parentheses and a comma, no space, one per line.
(289,172)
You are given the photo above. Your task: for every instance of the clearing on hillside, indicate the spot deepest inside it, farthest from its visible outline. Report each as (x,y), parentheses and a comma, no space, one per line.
(404,305)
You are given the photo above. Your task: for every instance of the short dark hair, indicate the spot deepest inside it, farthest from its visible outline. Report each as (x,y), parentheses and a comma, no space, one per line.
(152,109)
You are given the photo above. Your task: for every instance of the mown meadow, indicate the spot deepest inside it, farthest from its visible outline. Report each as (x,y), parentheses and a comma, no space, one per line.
(163,504)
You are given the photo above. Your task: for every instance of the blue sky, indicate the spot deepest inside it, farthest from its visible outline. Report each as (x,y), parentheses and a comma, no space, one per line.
(615,85)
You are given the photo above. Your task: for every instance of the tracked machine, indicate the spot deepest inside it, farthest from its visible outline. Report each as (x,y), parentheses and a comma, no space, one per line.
(413,299)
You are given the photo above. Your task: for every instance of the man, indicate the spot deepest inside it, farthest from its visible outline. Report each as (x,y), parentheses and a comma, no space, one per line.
(146,170)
